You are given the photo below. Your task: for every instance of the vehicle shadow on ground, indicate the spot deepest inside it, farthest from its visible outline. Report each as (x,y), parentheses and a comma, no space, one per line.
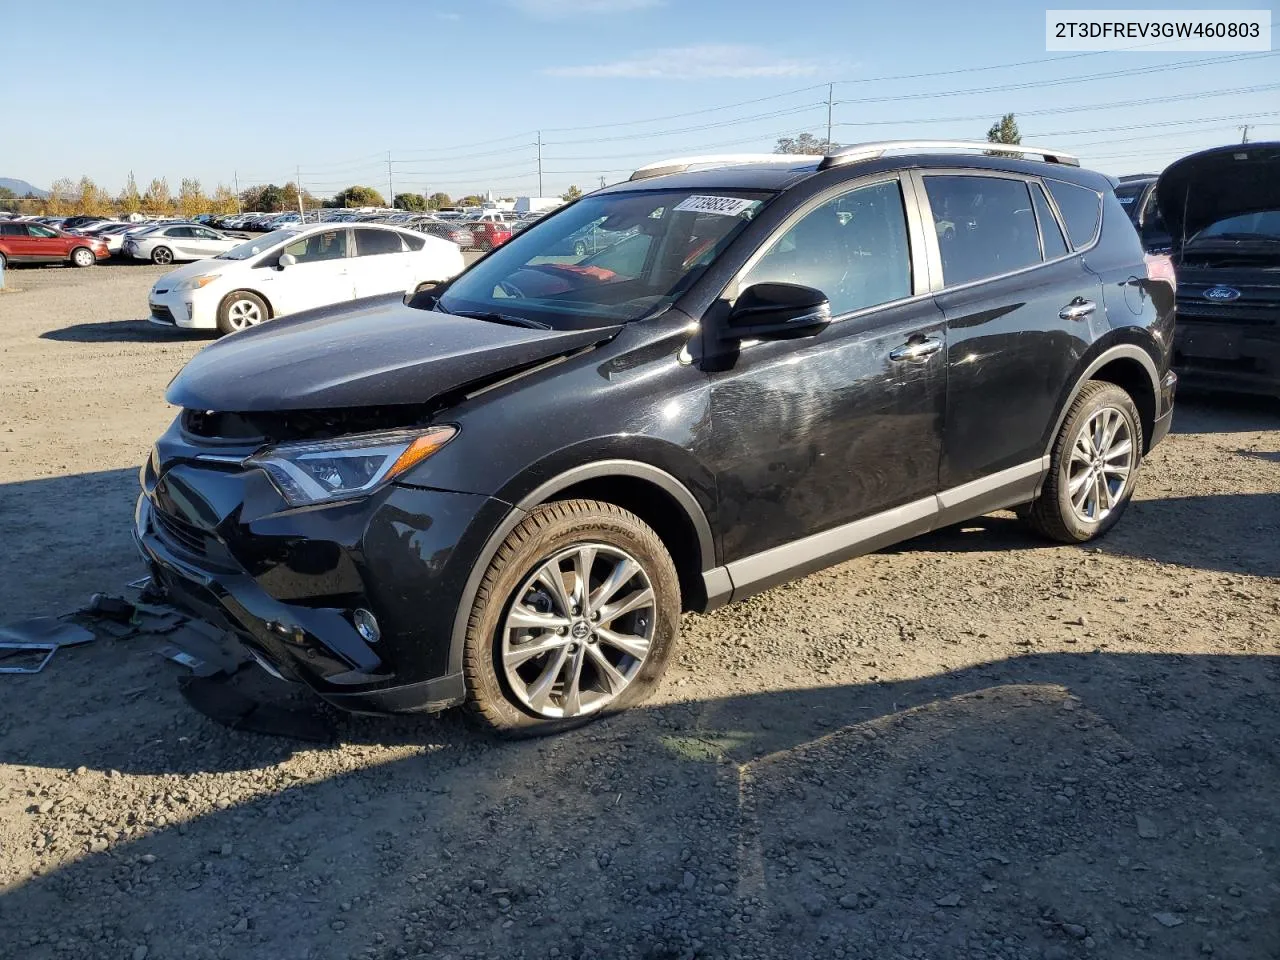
(1007,810)
(121,331)
(1203,412)
(1233,533)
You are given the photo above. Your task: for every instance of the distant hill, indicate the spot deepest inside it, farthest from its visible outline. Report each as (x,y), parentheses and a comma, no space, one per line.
(21,188)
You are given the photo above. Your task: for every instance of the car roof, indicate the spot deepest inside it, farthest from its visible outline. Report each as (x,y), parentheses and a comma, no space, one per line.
(783,175)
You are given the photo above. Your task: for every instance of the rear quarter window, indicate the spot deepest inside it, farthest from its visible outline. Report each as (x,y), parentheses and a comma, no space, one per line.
(1081,210)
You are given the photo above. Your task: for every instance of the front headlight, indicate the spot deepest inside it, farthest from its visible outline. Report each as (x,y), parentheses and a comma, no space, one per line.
(346,467)
(195,283)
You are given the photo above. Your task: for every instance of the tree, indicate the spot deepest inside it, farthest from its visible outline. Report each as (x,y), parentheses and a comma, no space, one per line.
(129,201)
(7,194)
(267,198)
(157,200)
(806,143)
(573,193)
(62,197)
(289,198)
(91,199)
(223,200)
(471,200)
(1004,130)
(191,198)
(410,201)
(358,196)
(438,201)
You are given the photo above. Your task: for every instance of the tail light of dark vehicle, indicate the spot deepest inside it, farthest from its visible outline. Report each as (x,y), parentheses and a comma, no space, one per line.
(1160,267)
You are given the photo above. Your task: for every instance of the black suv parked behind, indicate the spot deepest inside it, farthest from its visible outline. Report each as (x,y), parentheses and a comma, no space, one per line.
(506,491)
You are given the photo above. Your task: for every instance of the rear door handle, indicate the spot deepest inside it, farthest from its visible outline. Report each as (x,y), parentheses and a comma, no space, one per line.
(1077,309)
(916,350)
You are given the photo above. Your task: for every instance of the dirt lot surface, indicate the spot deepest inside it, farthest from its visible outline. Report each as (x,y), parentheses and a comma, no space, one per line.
(975,745)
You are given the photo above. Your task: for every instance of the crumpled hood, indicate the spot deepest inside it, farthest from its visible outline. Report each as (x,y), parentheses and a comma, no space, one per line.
(1214,184)
(378,352)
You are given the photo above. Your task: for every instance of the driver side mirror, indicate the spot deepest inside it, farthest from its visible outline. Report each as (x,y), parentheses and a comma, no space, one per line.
(778,311)
(286,260)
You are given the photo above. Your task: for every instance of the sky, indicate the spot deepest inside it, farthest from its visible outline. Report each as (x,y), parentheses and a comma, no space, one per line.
(455,92)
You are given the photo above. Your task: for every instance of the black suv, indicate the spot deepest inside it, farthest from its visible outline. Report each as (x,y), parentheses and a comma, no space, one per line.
(1223,208)
(505,491)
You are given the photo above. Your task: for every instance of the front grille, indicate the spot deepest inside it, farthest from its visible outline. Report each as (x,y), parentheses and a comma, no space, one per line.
(181,534)
(161,313)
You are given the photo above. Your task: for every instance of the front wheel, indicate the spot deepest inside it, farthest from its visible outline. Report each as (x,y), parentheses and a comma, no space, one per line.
(1093,467)
(576,617)
(240,311)
(162,256)
(83,257)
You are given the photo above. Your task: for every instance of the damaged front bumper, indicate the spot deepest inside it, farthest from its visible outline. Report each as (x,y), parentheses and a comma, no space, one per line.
(287,585)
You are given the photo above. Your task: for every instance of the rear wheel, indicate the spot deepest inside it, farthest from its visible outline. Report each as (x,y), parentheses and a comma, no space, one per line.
(83,257)
(162,256)
(1093,468)
(579,248)
(240,311)
(575,618)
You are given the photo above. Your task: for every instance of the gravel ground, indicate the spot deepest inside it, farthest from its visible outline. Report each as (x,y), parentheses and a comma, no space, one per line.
(974,745)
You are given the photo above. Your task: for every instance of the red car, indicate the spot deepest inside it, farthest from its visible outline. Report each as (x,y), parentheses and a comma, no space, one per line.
(487,235)
(36,243)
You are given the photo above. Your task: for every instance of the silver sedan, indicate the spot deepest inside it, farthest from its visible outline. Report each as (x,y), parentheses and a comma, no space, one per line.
(170,243)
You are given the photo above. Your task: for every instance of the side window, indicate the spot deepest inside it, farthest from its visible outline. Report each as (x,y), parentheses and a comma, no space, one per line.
(331,245)
(1081,209)
(180,233)
(853,248)
(204,234)
(413,243)
(35,230)
(13,230)
(985,226)
(372,243)
(1054,245)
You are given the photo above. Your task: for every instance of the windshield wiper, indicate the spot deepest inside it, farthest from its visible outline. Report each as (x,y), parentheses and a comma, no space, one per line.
(506,318)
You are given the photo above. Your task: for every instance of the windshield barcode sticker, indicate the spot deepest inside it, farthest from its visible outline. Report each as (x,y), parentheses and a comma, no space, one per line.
(725,206)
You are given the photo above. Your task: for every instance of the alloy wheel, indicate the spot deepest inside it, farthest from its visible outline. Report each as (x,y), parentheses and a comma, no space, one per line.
(1101,461)
(243,314)
(578,631)
(162,255)
(83,257)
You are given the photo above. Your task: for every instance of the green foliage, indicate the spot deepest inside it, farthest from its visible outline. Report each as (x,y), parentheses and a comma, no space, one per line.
(1004,130)
(472,200)
(439,200)
(410,201)
(358,196)
(7,194)
(806,143)
(573,193)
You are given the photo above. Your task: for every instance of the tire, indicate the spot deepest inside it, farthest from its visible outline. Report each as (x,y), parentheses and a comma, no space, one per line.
(555,534)
(241,310)
(83,257)
(1101,410)
(579,248)
(162,256)
(3,262)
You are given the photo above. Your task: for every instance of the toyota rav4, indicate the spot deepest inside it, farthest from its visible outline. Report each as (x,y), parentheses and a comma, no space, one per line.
(504,491)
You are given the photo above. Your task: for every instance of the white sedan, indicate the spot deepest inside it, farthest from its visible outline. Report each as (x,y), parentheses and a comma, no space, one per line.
(287,271)
(183,241)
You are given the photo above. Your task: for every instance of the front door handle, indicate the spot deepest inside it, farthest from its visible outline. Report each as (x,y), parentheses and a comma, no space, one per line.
(916,350)
(1077,309)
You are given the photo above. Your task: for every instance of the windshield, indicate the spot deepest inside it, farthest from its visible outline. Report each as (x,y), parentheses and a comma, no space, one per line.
(1264,224)
(607,259)
(251,248)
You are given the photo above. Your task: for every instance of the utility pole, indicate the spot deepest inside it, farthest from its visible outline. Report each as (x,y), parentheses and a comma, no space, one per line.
(602,181)
(830,104)
(235,176)
(391,190)
(1244,134)
(539,163)
(297,186)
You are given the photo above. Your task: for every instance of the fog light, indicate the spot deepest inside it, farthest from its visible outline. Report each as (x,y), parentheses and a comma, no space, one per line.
(191,308)
(366,625)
